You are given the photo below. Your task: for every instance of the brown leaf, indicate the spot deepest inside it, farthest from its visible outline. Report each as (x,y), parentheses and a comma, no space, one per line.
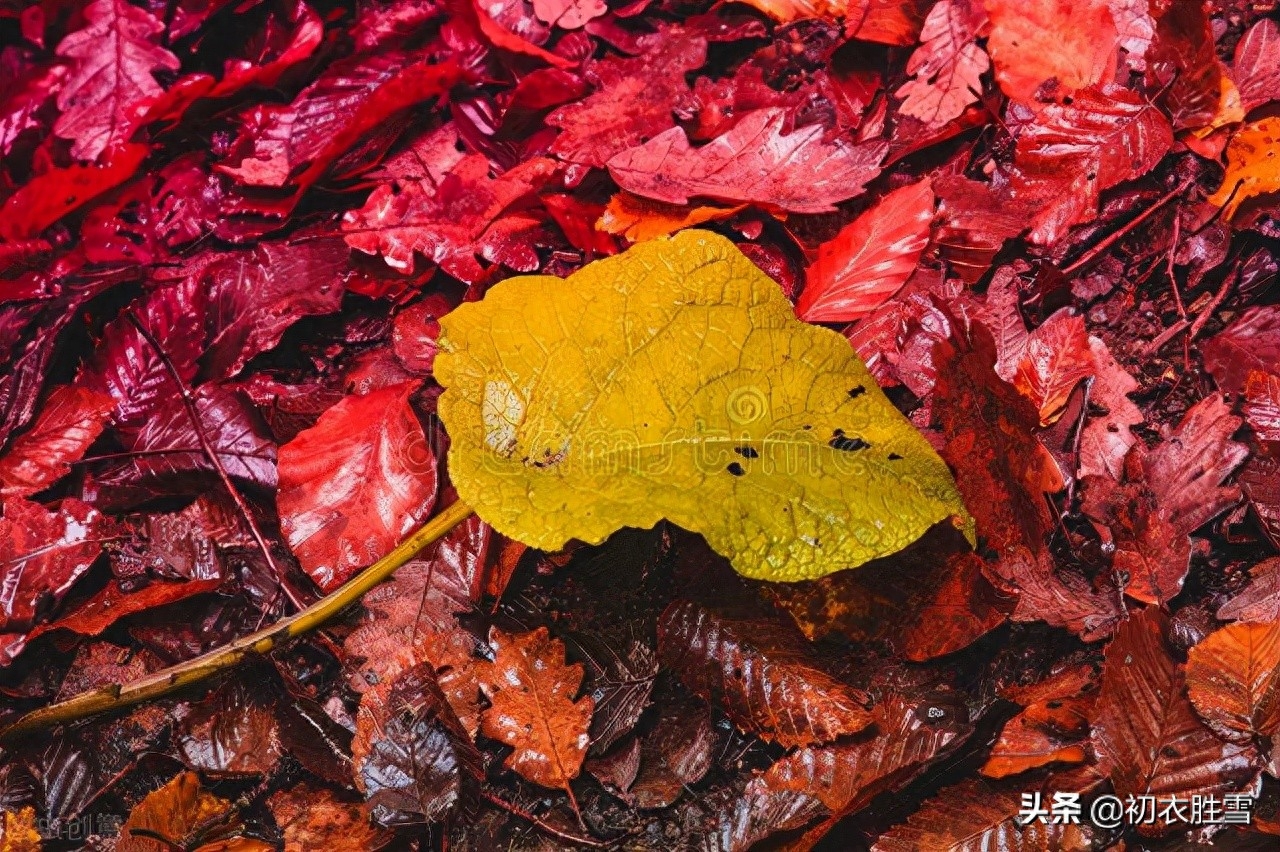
(1051,728)
(1260,600)
(619,683)
(962,608)
(233,731)
(1056,359)
(762,674)
(531,691)
(1168,494)
(71,420)
(1231,678)
(1106,439)
(314,818)
(187,816)
(18,831)
(1147,737)
(973,816)
(759,813)
(676,754)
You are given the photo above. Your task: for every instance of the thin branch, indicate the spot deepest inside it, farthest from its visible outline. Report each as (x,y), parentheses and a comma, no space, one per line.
(188,402)
(1093,253)
(117,696)
(543,826)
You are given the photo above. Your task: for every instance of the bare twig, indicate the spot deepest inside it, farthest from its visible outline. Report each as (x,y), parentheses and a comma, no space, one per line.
(188,402)
(1093,253)
(540,824)
(117,696)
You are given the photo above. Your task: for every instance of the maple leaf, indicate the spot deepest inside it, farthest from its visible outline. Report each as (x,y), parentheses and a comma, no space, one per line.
(1253,165)
(704,439)
(183,813)
(761,673)
(753,162)
(1057,357)
(633,101)
(533,710)
(71,420)
(115,57)
(312,817)
(1256,68)
(1073,43)
(1168,493)
(355,484)
(1261,406)
(1231,680)
(871,257)
(445,221)
(42,555)
(1147,737)
(1250,344)
(948,65)
(1070,153)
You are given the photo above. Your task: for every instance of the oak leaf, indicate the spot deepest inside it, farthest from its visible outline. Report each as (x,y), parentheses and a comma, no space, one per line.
(533,710)
(550,397)
(1232,680)
(948,65)
(870,259)
(761,673)
(753,162)
(355,484)
(112,81)
(1253,165)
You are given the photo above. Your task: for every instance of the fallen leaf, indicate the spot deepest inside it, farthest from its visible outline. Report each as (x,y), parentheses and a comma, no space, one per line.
(184,814)
(233,731)
(640,219)
(1256,69)
(1231,680)
(754,162)
(761,673)
(1261,406)
(568,14)
(727,416)
(948,65)
(1251,343)
(1147,737)
(1253,165)
(1260,600)
(870,259)
(1106,439)
(314,818)
(1183,66)
(533,710)
(71,420)
(355,484)
(1053,726)
(114,60)
(1056,359)
(42,555)
(18,831)
(50,196)
(674,756)
(1031,43)
(958,612)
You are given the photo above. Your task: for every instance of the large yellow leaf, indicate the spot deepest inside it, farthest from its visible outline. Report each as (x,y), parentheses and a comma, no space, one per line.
(674,381)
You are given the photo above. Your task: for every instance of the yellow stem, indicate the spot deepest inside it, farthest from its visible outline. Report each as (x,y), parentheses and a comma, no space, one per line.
(116,696)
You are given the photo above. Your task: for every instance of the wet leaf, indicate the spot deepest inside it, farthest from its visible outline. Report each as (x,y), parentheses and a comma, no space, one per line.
(42,555)
(1253,165)
(72,418)
(948,66)
(1256,70)
(1056,359)
(1251,343)
(184,814)
(1231,679)
(607,418)
(18,831)
(1032,43)
(314,818)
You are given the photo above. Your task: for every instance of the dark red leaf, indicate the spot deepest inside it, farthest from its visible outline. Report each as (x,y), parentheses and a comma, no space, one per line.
(1250,343)
(71,420)
(1256,70)
(42,554)
(1260,600)
(1183,66)
(233,731)
(57,192)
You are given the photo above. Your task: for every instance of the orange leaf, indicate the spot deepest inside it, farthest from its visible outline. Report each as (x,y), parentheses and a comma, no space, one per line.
(639,219)
(1033,41)
(1253,165)
(531,690)
(870,259)
(183,813)
(1056,359)
(1232,680)
(18,831)
(313,818)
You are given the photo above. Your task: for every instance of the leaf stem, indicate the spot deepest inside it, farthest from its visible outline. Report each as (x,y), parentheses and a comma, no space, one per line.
(117,696)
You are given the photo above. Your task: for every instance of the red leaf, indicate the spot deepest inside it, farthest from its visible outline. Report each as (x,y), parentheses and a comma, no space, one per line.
(71,420)
(355,484)
(42,554)
(1250,343)
(633,100)
(1033,42)
(960,610)
(313,818)
(870,259)
(1183,66)
(287,39)
(754,162)
(1147,737)
(50,196)
(1056,359)
(1261,406)
(762,673)
(112,79)
(1105,440)
(568,14)
(1168,493)
(1051,728)
(445,221)
(1231,679)
(416,332)
(1260,600)
(1256,70)
(948,65)
(112,604)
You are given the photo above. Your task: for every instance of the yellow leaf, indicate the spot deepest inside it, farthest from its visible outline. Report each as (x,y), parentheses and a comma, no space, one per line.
(674,381)
(18,831)
(1253,163)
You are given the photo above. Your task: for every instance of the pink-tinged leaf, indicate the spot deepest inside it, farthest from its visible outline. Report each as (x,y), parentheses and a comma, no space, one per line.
(501,37)
(114,60)
(633,99)
(42,554)
(1135,28)
(355,484)
(948,65)
(1262,404)
(1056,359)
(296,144)
(48,197)
(568,14)
(71,420)
(24,108)
(1147,737)
(1106,439)
(284,42)
(755,162)
(1070,153)
(870,259)
(446,221)
(1070,41)
(1256,70)
(1250,343)
(415,334)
